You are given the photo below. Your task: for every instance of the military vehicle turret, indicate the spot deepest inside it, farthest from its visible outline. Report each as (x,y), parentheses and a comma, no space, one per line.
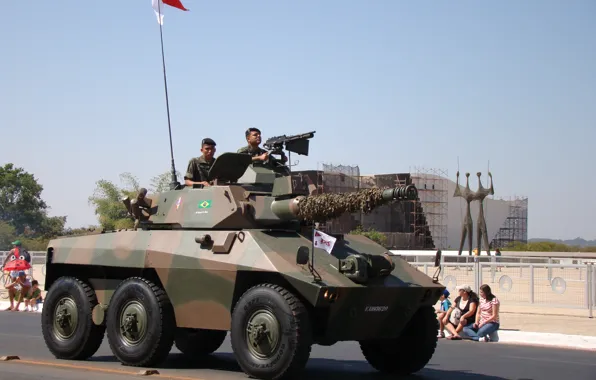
(239,257)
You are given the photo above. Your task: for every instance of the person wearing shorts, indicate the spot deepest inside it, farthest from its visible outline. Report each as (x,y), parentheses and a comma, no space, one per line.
(33,297)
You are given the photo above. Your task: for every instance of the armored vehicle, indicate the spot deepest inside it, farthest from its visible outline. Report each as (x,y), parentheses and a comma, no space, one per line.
(239,257)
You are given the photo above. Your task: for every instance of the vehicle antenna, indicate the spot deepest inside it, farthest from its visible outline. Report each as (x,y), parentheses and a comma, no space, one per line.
(174,180)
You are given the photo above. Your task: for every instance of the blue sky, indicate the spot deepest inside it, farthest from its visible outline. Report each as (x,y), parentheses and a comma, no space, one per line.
(403,83)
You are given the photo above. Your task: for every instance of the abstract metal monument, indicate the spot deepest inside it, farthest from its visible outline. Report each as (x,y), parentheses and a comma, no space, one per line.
(467,228)
(468,195)
(482,193)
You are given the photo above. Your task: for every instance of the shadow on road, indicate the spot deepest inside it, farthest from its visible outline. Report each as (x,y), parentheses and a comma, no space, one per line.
(317,368)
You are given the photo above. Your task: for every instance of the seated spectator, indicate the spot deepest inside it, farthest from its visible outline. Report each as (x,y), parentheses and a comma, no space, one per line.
(461,313)
(442,308)
(33,298)
(487,317)
(18,289)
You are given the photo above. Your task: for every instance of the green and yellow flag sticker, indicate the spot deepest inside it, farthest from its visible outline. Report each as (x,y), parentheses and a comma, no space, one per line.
(205,204)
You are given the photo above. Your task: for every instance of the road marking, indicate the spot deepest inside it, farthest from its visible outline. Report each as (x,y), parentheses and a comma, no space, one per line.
(99,369)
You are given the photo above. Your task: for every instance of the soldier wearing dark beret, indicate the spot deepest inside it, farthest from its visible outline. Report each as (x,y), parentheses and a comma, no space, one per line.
(198,167)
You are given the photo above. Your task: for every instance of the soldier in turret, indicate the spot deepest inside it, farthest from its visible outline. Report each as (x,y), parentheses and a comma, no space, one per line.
(253,138)
(198,167)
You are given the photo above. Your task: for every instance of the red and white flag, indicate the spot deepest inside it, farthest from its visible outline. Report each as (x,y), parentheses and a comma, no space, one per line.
(323,241)
(158,6)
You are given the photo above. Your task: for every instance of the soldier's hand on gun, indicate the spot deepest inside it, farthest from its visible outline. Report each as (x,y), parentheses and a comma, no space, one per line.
(264,156)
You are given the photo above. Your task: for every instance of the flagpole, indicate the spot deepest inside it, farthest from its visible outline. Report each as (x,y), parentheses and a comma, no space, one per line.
(174,182)
(312,253)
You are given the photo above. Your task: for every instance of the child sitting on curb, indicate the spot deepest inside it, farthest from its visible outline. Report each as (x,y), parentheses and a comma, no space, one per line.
(441,309)
(33,298)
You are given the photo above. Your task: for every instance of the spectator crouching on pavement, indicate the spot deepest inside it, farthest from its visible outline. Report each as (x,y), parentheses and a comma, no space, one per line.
(462,312)
(487,317)
(18,289)
(441,309)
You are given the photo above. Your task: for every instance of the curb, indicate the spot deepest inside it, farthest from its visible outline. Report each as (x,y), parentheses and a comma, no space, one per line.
(548,339)
(582,342)
(5,304)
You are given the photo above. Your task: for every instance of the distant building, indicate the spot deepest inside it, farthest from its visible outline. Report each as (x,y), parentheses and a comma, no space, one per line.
(434,221)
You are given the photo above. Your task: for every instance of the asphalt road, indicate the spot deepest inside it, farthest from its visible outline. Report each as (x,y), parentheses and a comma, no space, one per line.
(20,334)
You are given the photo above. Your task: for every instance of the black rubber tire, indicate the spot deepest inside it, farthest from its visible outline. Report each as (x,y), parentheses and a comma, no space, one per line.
(411,351)
(199,342)
(296,333)
(160,325)
(87,337)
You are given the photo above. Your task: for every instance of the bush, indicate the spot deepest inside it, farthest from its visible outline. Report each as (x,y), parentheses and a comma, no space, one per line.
(372,234)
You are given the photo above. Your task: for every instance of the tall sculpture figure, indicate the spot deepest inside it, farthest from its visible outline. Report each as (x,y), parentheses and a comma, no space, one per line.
(467,230)
(480,194)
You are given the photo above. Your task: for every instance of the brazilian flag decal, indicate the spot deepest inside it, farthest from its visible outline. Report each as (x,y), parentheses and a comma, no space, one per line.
(205,204)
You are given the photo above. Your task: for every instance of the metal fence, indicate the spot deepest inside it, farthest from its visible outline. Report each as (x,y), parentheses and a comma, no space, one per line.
(525,281)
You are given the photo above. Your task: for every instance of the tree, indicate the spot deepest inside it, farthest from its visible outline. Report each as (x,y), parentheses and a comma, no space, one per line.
(161,182)
(107,199)
(20,199)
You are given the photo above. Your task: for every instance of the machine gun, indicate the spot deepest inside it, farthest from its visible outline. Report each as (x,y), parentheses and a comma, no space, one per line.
(296,143)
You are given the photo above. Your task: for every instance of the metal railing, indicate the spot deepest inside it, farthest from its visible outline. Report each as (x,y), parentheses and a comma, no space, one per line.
(528,281)
(546,282)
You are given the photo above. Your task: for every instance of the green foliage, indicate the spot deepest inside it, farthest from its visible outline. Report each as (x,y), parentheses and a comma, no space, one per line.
(23,213)
(372,234)
(107,200)
(20,199)
(546,246)
(161,182)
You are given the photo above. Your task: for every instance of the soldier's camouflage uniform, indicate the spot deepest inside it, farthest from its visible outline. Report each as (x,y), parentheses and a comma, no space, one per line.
(253,152)
(198,169)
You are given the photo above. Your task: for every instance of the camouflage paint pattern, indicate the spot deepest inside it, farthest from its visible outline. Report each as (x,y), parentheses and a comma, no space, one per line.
(207,246)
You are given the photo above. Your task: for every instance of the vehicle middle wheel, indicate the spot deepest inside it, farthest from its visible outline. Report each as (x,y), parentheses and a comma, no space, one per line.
(140,323)
(271,333)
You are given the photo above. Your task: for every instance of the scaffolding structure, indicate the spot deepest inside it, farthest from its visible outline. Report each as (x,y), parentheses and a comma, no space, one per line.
(396,220)
(433,195)
(340,179)
(515,228)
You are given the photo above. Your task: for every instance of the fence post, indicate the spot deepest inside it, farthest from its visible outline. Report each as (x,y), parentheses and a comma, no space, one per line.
(531,283)
(550,269)
(588,287)
(591,278)
(476,271)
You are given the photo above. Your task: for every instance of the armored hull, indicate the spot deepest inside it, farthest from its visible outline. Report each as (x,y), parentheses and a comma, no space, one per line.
(204,280)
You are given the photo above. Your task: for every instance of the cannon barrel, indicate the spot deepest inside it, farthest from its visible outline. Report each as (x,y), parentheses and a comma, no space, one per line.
(322,207)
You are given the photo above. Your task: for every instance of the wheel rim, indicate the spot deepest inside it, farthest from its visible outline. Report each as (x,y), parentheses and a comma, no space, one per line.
(133,323)
(262,334)
(66,318)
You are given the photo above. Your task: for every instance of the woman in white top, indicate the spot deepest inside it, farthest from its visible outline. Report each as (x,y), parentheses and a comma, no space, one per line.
(462,311)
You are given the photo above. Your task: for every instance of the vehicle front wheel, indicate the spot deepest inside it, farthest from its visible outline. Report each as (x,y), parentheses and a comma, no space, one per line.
(411,351)
(271,333)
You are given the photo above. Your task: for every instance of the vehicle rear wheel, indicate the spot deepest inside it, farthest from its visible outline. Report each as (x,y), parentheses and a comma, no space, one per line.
(271,333)
(66,320)
(411,351)
(199,342)
(140,323)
